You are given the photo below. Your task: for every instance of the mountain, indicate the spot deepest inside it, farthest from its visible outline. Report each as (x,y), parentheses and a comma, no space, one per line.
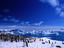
(55,33)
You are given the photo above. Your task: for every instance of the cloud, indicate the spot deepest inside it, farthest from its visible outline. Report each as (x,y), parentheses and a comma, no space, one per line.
(58,7)
(14,20)
(10,16)
(58,10)
(6,10)
(11,20)
(40,23)
(28,23)
(25,23)
(5,19)
(62,14)
(53,3)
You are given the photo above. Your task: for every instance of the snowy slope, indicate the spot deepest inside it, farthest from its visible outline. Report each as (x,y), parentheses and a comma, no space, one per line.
(36,44)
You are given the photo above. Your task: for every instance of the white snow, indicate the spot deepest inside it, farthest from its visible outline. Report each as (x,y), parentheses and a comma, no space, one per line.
(36,44)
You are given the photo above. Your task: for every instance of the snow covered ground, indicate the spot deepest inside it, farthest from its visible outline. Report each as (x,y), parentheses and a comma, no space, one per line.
(39,43)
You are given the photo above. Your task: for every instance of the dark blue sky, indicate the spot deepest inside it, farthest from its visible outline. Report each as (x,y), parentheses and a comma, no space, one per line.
(32,11)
